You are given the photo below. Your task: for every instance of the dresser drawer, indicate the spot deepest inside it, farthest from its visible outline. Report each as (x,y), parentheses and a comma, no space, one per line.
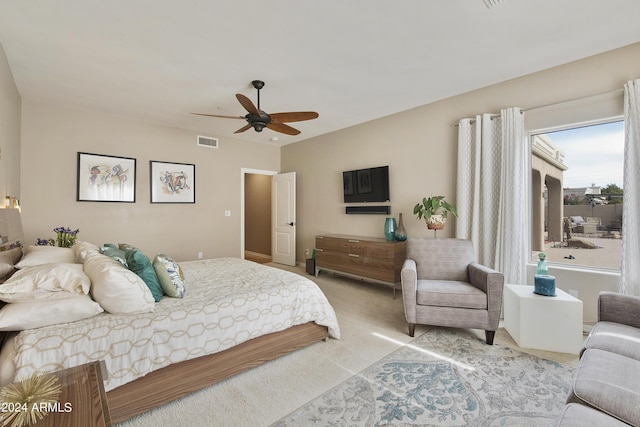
(360,266)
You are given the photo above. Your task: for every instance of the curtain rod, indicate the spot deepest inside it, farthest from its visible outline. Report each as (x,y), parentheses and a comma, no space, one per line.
(522,110)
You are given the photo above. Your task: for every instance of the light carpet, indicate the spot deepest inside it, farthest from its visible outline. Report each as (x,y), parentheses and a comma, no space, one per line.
(444,378)
(372,327)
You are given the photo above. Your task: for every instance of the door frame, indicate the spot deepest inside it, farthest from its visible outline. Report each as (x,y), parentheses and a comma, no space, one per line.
(243,172)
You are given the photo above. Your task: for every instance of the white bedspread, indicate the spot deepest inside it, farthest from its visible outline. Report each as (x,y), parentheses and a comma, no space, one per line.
(228,301)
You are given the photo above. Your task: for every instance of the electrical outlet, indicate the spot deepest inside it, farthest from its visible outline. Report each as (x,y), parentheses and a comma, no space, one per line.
(199,255)
(227,213)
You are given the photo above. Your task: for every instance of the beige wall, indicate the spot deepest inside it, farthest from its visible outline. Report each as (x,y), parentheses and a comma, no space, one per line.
(52,136)
(257,218)
(420,146)
(9,132)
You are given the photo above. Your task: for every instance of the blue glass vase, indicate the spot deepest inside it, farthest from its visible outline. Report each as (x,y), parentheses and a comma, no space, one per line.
(401,233)
(390,229)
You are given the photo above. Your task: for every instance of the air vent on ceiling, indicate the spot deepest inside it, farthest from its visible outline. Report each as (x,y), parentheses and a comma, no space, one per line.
(205,141)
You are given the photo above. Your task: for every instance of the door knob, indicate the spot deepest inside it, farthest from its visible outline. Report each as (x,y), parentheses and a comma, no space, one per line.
(290,223)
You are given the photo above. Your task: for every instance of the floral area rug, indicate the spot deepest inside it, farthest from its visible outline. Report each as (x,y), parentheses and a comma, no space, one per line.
(444,378)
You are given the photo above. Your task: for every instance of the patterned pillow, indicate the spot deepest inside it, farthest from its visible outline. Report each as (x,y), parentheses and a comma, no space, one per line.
(140,264)
(170,276)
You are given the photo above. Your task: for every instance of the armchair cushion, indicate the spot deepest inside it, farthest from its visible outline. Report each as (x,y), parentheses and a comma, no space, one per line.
(447,293)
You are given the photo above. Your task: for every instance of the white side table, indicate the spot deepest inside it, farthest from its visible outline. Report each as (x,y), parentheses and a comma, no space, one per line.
(542,322)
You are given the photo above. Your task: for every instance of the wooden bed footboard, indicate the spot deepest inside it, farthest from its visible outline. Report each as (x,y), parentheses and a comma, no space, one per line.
(174,381)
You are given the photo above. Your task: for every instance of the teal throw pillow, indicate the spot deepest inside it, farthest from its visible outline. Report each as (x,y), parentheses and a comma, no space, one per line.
(112,251)
(140,264)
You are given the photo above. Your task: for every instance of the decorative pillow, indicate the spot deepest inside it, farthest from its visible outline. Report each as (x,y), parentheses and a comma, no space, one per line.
(170,275)
(112,251)
(38,255)
(8,260)
(83,249)
(45,282)
(140,264)
(116,289)
(36,314)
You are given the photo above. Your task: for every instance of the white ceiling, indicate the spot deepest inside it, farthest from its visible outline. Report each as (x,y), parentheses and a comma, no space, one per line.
(351,61)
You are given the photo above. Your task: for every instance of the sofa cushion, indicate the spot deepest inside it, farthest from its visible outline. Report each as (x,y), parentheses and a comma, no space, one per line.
(608,382)
(576,415)
(450,293)
(616,338)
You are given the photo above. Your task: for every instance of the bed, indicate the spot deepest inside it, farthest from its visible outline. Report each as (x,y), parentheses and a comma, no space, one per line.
(234,315)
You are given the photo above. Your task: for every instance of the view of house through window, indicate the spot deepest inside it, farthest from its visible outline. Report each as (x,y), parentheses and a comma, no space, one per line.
(577,195)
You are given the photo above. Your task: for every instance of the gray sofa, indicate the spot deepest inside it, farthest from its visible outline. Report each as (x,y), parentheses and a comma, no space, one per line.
(606,387)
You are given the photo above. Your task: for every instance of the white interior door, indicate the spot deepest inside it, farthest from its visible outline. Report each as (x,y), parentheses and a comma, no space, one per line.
(283,218)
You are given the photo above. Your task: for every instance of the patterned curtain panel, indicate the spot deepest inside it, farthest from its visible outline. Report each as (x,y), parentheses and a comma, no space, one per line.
(630,271)
(492,190)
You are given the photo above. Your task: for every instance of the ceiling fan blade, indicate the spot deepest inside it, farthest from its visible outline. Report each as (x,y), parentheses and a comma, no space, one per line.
(215,115)
(297,116)
(247,104)
(243,128)
(282,128)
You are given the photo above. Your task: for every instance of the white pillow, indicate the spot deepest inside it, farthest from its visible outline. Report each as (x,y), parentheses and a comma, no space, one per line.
(83,250)
(45,282)
(116,289)
(38,255)
(36,314)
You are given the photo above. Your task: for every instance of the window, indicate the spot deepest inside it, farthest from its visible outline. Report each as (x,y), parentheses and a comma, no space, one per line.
(577,195)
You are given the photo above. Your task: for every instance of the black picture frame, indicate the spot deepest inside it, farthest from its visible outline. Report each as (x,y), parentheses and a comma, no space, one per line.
(106,178)
(172,182)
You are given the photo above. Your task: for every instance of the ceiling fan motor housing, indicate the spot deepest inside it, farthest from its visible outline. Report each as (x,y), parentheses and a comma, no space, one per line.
(258,122)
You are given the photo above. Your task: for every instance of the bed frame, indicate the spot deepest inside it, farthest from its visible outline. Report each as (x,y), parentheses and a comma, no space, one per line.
(174,381)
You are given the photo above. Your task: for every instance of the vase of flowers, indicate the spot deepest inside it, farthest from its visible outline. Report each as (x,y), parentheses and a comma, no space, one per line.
(65,238)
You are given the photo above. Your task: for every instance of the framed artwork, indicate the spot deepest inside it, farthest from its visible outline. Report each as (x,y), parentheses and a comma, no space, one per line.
(364,181)
(172,182)
(104,178)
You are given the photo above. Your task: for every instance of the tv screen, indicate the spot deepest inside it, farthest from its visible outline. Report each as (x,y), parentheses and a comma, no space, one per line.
(366,185)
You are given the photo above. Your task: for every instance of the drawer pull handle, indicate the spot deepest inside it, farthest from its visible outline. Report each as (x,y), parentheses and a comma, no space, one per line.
(354,255)
(320,237)
(319,250)
(354,241)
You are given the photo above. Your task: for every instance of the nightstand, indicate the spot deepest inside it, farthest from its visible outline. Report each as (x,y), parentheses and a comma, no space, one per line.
(83,401)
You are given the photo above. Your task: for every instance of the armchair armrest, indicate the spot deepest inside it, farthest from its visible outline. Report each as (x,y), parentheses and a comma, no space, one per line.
(491,282)
(409,279)
(619,308)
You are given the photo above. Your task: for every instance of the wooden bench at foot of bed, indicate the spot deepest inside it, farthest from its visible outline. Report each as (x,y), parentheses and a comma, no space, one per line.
(174,381)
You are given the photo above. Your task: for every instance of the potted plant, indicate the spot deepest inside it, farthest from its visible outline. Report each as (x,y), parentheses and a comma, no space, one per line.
(434,210)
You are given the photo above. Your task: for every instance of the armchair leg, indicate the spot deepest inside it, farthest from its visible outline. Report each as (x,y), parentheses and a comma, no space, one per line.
(490,335)
(412,329)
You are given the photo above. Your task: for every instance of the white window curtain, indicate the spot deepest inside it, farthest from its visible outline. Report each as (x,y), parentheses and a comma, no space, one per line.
(630,269)
(492,190)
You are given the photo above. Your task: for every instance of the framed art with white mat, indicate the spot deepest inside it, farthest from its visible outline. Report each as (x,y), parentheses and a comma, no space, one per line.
(172,182)
(103,178)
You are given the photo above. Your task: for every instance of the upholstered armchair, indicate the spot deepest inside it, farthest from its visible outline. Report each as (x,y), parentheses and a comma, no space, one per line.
(442,285)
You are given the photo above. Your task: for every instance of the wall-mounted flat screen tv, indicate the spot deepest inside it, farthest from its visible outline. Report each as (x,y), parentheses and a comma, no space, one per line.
(366,185)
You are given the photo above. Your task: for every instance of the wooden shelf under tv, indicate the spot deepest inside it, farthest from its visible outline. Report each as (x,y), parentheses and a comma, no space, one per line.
(370,259)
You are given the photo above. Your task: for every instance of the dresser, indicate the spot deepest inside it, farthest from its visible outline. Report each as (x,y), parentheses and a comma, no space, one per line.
(370,259)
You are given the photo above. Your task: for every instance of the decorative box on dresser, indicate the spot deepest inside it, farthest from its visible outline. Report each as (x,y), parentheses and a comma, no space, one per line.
(370,259)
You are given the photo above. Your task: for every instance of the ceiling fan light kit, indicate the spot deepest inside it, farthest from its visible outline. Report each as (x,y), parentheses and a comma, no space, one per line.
(258,119)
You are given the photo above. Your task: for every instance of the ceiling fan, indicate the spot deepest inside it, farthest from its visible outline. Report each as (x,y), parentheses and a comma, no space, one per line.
(258,119)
